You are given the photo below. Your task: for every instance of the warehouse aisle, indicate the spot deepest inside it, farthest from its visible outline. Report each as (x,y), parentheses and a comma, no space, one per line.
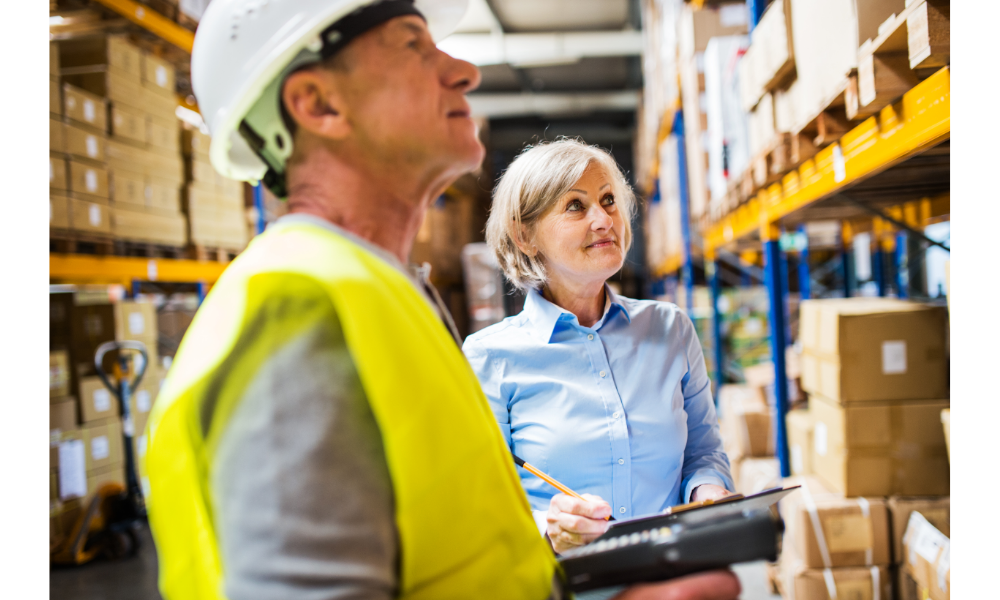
(132,579)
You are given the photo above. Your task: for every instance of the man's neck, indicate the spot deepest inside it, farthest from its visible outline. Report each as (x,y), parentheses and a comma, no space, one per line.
(384,208)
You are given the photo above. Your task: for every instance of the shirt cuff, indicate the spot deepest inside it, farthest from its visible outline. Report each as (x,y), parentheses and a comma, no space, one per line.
(702,477)
(540,522)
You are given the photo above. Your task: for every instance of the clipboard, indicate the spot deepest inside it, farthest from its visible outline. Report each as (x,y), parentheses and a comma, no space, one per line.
(689,539)
(697,512)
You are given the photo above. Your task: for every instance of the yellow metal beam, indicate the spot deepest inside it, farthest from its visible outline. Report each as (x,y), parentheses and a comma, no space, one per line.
(82,268)
(921,120)
(669,266)
(153,22)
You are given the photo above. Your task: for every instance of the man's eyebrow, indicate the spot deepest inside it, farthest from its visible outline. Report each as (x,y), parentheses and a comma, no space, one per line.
(413,27)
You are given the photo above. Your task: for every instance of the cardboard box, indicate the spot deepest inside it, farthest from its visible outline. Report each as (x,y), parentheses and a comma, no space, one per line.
(57,136)
(129,157)
(128,123)
(90,326)
(103,444)
(110,51)
(135,320)
(946,422)
(97,403)
(60,319)
(850,583)
(880,448)
(753,475)
(927,553)
(89,179)
(110,83)
(113,473)
(84,143)
(58,179)
(163,134)
(799,425)
(698,26)
(89,216)
(906,587)
(194,142)
(59,374)
(53,60)
(55,99)
(158,74)
(937,511)
(746,421)
(864,349)
(854,531)
(143,226)
(127,188)
(59,212)
(158,104)
(63,419)
(163,196)
(85,108)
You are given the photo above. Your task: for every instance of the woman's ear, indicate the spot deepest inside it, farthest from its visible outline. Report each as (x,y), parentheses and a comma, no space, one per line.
(312,101)
(521,240)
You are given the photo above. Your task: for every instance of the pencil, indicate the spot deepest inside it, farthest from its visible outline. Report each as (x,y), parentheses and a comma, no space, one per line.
(554,483)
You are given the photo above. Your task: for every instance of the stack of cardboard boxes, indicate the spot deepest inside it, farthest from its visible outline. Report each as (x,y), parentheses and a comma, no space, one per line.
(214,204)
(86,431)
(746,422)
(119,107)
(876,373)
(78,175)
(926,560)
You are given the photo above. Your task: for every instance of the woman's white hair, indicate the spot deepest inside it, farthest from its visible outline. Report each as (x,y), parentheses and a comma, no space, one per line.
(532,184)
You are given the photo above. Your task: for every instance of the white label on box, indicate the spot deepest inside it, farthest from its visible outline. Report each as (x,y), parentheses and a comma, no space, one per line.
(839,168)
(151,270)
(91,178)
(72,470)
(796,452)
(929,543)
(88,111)
(99,448)
(54,436)
(95,215)
(136,324)
(142,402)
(819,438)
(70,103)
(753,327)
(149,192)
(732,15)
(91,146)
(893,357)
(161,76)
(140,446)
(102,400)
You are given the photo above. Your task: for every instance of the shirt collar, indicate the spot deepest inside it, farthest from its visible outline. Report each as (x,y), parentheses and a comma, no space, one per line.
(545,316)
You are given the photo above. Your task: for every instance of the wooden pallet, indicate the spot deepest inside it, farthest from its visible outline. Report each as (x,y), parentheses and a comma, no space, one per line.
(64,241)
(910,47)
(210,253)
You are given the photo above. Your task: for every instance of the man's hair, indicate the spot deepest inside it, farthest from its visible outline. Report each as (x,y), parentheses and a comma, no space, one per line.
(532,184)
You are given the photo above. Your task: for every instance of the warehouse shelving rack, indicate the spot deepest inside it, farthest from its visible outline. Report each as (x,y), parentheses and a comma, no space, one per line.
(129,271)
(891,171)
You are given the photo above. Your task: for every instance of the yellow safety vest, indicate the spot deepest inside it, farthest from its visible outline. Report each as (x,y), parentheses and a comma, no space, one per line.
(464,523)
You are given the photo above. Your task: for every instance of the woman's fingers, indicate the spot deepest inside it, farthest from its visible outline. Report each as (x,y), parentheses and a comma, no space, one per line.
(594,507)
(711,585)
(573,522)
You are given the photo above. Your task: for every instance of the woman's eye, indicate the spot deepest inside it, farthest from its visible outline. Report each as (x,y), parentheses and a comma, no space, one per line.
(575,205)
(608,200)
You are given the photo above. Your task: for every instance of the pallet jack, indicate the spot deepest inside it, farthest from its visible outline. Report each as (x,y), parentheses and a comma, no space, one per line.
(110,522)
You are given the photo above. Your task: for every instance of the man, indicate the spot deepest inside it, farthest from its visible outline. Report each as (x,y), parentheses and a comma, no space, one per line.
(320,434)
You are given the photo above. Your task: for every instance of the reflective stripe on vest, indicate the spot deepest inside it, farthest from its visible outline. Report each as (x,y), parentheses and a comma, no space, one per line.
(464,522)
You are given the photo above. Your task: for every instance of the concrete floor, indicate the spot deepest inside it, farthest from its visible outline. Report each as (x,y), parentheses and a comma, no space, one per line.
(135,579)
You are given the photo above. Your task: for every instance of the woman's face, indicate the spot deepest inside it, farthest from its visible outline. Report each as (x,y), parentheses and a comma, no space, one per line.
(580,238)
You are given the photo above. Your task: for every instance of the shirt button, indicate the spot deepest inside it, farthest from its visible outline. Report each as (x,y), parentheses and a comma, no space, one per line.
(603,374)
(590,337)
(615,415)
(621,510)
(621,461)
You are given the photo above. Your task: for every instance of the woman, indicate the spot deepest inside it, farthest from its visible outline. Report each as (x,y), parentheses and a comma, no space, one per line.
(607,394)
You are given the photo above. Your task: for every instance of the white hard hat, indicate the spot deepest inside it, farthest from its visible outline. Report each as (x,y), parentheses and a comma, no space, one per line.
(244,49)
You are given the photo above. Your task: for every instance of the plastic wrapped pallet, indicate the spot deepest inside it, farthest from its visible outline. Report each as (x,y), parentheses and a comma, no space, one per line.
(728,143)
(828,530)
(927,554)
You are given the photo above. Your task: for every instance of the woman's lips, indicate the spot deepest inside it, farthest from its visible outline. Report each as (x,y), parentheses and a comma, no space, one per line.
(602,244)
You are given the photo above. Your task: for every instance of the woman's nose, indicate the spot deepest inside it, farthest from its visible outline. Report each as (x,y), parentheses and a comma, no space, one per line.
(600,218)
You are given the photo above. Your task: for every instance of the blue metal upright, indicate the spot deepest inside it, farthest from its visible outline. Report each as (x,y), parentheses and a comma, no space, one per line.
(847,269)
(688,265)
(784,294)
(805,289)
(878,269)
(713,274)
(201,290)
(258,202)
(902,270)
(776,294)
(756,9)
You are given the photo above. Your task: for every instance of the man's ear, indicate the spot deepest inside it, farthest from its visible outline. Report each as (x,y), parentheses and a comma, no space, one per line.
(314,105)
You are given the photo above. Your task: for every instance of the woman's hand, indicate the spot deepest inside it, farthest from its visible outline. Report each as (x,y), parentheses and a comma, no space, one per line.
(711,585)
(707,491)
(573,522)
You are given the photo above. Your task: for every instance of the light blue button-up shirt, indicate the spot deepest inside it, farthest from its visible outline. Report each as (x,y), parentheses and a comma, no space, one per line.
(622,410)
